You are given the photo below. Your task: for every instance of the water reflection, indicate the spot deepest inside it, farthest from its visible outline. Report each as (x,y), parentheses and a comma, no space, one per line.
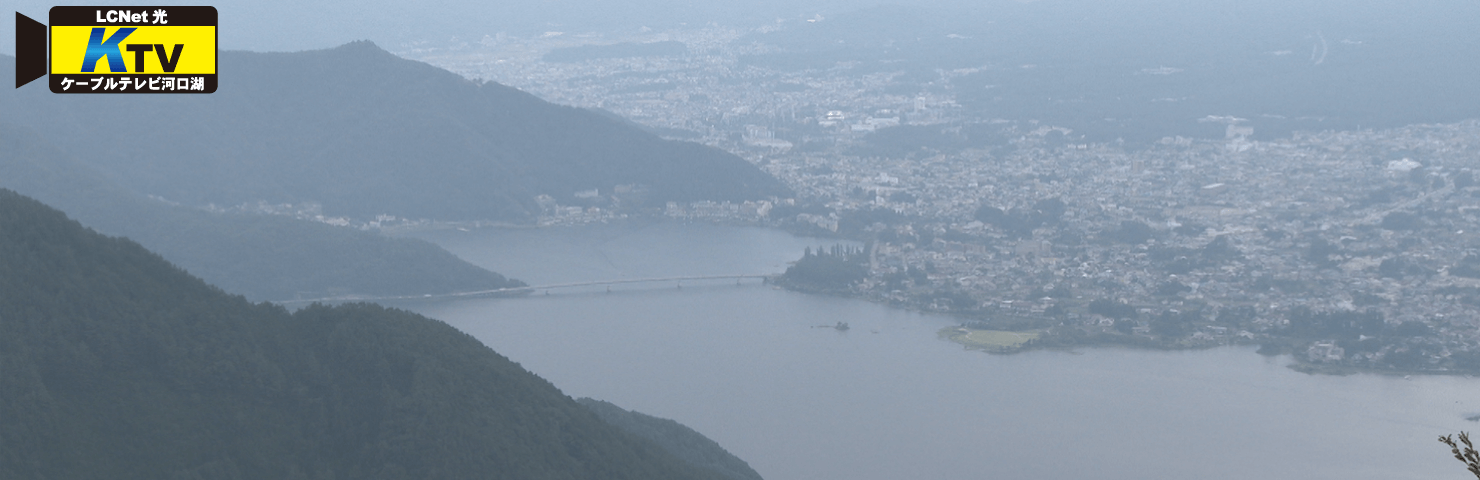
(886,399)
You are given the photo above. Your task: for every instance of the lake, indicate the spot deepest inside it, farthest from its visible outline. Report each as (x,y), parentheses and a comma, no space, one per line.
(747,366)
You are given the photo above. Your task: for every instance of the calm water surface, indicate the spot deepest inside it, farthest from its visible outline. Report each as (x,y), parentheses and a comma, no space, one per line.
(745,365)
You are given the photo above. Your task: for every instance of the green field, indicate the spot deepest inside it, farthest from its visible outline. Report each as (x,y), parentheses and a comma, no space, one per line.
(988,339)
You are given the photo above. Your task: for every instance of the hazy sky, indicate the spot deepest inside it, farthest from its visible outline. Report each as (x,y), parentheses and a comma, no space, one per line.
(295,25)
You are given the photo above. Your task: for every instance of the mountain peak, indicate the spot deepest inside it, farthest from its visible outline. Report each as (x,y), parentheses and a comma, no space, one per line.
(361,47)
(360,44)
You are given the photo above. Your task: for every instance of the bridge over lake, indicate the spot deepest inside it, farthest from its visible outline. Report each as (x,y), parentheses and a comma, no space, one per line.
(525,289)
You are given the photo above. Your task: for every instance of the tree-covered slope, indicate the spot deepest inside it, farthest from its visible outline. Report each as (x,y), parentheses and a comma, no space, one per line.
(262,257)
(117,364)
(364,132)
(683,442)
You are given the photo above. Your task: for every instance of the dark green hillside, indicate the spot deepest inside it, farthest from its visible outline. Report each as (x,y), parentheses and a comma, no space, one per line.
(262,257)
(118,365)
(689,445)
(364,132)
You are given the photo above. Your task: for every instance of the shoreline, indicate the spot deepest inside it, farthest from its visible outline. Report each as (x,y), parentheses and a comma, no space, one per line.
(1046,339)
(1050,333)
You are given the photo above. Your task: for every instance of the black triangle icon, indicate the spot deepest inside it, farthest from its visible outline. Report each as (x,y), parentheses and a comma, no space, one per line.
(30,50)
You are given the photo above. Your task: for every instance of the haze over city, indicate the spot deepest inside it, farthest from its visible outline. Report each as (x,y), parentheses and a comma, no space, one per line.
(934,239)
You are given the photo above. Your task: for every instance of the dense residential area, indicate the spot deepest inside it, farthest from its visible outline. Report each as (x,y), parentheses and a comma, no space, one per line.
(1347,249)
(862,240)
(1353,249)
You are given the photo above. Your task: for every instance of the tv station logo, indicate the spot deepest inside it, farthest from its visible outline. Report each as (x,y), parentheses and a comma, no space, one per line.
(119,50)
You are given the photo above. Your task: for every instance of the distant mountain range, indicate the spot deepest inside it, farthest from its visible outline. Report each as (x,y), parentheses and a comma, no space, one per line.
(1141,70)
(353,129)
(260,256)
(119,365)
(363,132)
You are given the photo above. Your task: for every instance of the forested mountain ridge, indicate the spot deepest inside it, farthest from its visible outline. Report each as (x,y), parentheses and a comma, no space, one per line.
(682,441)
(262,257)
(363,133)
(120,365)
